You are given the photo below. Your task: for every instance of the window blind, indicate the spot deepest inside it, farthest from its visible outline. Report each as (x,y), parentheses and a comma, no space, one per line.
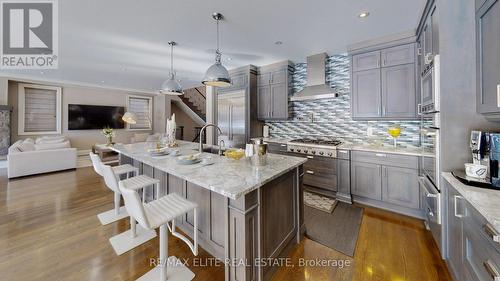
(141,107)
(40,110)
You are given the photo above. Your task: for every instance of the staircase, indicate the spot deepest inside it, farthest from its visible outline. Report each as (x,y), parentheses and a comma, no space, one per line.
(195,99)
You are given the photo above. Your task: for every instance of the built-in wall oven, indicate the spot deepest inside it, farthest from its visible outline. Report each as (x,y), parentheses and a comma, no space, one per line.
(430,160)
(430,87)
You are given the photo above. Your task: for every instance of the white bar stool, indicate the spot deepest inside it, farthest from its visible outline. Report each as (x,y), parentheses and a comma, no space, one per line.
(135,236)
(118,212)
(157,214)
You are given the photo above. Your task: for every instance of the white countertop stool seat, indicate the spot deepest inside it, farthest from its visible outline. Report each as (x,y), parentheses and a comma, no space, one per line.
(118,212)
(157,214)
(136,235)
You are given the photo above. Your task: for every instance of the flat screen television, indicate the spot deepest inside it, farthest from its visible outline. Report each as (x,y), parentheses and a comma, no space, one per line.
(90,117)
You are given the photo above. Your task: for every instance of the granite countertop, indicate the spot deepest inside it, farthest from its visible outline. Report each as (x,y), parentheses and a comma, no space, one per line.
(486,201)
(230,178)
(413,151)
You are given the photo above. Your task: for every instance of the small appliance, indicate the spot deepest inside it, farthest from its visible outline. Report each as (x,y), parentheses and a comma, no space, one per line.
(484,171)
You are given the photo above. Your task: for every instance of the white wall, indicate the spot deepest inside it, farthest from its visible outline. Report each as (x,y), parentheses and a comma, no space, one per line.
(71,94)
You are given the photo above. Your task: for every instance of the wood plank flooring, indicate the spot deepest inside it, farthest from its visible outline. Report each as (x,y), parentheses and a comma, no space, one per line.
(49,231)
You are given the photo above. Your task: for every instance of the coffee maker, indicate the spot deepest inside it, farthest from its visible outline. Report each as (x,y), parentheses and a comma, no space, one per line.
(485,148)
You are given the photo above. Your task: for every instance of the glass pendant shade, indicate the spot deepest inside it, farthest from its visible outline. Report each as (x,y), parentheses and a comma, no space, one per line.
(217,75)
(171,86)
(129,117)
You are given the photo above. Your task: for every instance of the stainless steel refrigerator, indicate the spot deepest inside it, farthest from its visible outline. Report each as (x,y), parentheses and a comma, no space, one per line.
(231,118)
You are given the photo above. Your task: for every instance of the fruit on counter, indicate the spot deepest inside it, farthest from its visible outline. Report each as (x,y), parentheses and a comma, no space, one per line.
(235,154)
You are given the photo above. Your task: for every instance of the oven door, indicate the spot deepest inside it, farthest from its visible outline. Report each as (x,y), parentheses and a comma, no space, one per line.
(430,160)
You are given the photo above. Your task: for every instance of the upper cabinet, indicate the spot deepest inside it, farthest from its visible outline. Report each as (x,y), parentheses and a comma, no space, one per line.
(383,83)
(273,88)
(488,59)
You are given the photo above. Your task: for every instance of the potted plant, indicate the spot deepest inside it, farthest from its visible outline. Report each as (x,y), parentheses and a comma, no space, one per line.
(109,134)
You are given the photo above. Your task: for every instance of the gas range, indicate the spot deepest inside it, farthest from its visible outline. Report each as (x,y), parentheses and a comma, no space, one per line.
(325,148)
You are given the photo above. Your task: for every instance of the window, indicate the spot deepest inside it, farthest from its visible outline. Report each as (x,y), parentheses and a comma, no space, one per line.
(39,109)
(142,107)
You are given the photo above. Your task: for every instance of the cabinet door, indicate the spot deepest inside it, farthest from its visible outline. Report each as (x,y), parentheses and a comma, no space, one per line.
(366,96)
(366,180)
(488,59)
(278,76)
(455,232)
(344,179)
(427,44)
(398,91)
(403,54)
(264,102)
(263,79)
(366,61)
(400,187)
(279,101)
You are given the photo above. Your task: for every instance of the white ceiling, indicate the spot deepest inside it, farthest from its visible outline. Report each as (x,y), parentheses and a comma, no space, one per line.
(123,43)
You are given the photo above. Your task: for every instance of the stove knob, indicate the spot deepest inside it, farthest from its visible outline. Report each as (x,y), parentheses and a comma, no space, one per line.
(305,151)
(291,149)
(298,150)
(321,153)
(330,154)
(313,151)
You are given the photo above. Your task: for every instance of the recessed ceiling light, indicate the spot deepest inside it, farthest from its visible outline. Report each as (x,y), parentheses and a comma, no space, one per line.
(278,43)
(229,58)
(363,15)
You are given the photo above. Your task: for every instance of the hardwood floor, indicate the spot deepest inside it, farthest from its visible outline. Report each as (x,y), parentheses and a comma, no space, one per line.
(49,231)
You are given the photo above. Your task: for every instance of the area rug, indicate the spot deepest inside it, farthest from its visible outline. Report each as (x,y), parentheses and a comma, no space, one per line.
(322,203)
(338,230)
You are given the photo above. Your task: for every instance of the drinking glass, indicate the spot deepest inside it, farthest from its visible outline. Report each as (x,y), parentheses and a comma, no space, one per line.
(395,132)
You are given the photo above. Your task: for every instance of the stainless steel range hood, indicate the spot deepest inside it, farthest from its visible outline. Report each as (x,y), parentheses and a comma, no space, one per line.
(316,87)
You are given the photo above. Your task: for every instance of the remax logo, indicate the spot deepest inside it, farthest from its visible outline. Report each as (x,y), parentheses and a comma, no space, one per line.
(29,34)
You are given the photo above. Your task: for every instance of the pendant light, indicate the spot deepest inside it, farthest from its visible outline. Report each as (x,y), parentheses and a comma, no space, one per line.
(171,86)
(217,75)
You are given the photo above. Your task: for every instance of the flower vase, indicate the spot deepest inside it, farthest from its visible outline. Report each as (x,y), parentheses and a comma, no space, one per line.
(109,141)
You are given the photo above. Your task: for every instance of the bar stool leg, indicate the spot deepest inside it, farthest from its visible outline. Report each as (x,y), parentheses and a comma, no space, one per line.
(133,225)
(117,203)
(163,252)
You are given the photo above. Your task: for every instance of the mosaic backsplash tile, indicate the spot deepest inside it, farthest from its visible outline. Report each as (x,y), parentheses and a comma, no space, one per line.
(327,118)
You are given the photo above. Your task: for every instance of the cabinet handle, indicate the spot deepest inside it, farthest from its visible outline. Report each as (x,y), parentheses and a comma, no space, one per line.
(384,62)
(283,145)
(378,63)
(342,151)
(310,172)
(419,109)
(430,212)
(419,51)
(383,110)
(378,110)
(492,233)
(381,155)
(310,157)
(492,270)
(498,95)
(455,199)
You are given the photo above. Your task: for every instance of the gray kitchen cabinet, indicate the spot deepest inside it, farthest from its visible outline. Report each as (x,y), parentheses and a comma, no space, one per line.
(344,179)
(366,61)
(385,90)
(366,180)
(272,93)
(488,60)
(366,93)
(264,102)
(398,91)
(403,54)
(279,101)
(400,187)
(454,230)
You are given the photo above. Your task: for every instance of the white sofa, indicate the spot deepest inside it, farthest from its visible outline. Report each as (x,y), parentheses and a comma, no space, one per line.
(46,154)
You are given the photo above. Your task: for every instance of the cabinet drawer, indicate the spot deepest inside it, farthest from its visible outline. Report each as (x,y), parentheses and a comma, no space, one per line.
(278,76)
(485,231)
(366,61)
(403,161)
(480,260)
(343,154)
(263,79)
(404,54)
(274,147)
(321,172)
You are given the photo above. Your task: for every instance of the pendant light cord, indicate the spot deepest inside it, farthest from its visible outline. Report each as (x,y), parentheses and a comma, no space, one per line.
(172,58)
(217,52)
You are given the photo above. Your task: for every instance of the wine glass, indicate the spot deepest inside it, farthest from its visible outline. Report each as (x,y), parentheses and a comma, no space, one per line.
(395,132)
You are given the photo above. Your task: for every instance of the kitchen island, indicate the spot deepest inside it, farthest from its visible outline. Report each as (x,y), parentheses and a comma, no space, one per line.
(245,214)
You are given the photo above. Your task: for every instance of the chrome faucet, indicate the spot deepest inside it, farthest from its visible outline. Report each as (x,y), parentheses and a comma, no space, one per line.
(200,149)
(222,144)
